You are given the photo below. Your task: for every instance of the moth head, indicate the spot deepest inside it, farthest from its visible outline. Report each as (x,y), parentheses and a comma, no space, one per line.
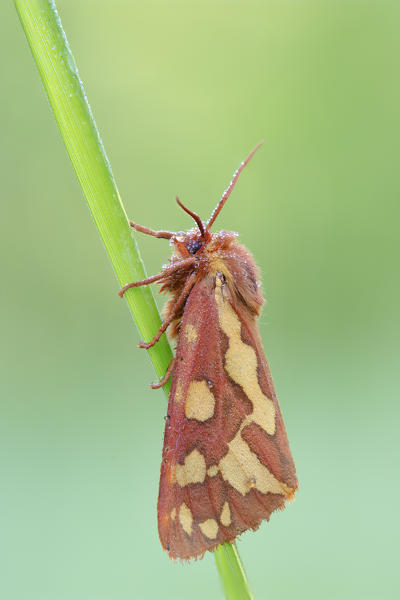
(194,245)
(190,243)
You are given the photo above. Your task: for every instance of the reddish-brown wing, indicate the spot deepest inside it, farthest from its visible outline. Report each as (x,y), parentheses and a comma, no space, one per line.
(226,460)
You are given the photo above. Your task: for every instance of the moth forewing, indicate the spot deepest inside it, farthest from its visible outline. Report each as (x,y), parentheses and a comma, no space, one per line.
(226,461)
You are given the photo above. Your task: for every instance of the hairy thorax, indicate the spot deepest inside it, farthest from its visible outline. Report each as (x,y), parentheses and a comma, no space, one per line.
(220,255)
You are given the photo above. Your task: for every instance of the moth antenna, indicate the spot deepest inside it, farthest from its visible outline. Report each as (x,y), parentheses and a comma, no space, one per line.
(230,187)
(193,215)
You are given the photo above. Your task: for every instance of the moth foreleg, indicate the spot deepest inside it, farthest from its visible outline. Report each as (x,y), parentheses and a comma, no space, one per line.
(186,262)
(174,310)
(158,234)
(163,381)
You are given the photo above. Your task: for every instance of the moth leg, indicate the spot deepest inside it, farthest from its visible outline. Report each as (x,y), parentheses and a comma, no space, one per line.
(176,307)
(163,381)
(158,234)
(187,262)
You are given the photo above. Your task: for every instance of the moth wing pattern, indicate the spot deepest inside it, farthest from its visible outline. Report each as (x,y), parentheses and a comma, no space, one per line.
(226,460)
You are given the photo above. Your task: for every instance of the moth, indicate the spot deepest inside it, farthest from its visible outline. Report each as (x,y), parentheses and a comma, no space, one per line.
(226,463)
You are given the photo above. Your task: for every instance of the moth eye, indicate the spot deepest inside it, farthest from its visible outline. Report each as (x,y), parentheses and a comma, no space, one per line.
(194,247)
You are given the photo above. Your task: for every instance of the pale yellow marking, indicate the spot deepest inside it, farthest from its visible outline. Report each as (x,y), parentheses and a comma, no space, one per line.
(209,528)
(200,402)
(173,513)
(178,392)
(186,518)
(240,466)
(241,364)
(191,333)
(193,470)
(239,462)
(217,265)
(212,471)
(225,515)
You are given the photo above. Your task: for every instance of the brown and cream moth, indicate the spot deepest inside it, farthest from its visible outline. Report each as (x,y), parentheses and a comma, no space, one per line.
(226,462)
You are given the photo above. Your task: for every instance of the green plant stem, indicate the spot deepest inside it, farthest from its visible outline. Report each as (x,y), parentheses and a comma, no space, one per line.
(60,77)
(231,571)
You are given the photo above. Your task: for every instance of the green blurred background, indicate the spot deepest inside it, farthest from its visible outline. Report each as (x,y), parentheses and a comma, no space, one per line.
(181,91)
